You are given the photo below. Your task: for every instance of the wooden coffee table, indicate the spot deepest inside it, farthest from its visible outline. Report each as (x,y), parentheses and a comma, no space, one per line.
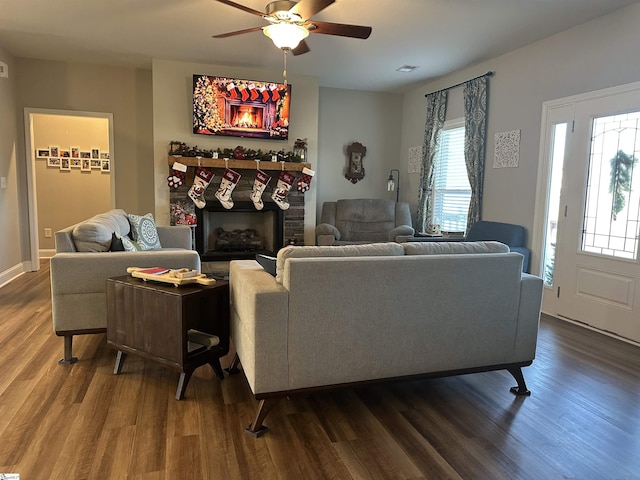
(151,320)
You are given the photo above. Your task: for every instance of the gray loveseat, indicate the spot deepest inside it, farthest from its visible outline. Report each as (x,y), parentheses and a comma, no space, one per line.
(340,316)
(364,220)
(83,262)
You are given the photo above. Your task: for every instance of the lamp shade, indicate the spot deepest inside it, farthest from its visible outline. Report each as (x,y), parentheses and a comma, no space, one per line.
(286,35)
(391,185)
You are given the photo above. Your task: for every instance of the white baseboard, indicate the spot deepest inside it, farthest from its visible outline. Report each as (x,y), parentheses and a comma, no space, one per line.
(13,273)
(47,253)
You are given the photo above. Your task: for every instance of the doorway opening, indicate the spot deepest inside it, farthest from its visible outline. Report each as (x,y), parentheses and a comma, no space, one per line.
(70,171)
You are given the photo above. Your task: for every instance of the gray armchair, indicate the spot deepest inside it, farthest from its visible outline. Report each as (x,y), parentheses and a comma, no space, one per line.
(364,221)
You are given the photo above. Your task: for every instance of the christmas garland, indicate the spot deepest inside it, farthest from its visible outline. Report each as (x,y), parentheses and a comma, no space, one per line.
(239,153)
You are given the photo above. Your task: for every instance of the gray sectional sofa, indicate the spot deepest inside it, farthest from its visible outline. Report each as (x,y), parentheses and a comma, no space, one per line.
(84,261)
(343,315)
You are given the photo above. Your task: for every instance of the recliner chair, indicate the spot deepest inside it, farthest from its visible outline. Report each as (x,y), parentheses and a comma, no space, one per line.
(360,220)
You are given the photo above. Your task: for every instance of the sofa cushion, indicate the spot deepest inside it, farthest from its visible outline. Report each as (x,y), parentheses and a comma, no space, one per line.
(144,232)
(439,248)
(95,234)
(365,250)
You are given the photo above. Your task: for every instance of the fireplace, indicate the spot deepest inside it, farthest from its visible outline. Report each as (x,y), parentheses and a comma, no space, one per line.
(279,227)
(239,233)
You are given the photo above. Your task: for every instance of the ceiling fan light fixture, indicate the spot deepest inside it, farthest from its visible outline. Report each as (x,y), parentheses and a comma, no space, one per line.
(286,35)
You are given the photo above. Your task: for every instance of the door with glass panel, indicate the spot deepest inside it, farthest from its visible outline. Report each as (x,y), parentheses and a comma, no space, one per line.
(596,249)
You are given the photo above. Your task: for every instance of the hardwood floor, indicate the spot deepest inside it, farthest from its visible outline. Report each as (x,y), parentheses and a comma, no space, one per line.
(80,421)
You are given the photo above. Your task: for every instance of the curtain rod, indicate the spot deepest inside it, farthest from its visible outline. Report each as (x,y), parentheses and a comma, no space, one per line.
(488,74)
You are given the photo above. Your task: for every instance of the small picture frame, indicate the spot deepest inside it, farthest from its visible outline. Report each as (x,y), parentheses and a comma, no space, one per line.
(54,151)
(85,165)
(65,163)
(104,156)
(95,153)
(53,162)
(96,163)
(85,154)
(75,152)
(65,154)
(42,153)
(76,162)
(106,166)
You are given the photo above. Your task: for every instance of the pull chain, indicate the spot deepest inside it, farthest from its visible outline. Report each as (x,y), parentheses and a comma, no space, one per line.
(284,72)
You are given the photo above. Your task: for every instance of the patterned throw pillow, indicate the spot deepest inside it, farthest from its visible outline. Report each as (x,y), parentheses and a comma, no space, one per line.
(143,231)
(129,245)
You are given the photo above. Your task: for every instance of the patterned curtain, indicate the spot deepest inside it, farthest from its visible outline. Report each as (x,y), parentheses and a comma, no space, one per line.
(475,131)
(436,112)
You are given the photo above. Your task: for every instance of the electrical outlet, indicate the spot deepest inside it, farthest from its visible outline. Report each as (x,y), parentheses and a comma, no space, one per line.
(3,182)
(47,233)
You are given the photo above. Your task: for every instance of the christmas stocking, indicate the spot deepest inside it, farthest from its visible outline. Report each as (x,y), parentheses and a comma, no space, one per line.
(285,180)
(259,184)
(227,184)
(176,178)
(304,182)
(200,183)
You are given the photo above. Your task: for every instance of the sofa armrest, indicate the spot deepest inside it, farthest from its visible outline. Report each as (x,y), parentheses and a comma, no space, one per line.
(259,323)
(178,236)
(526,254)
(528,317)
(326,234)
(401,231)
(327,229)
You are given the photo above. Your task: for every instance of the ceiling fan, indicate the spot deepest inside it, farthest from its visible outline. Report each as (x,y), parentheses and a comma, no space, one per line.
(290,24)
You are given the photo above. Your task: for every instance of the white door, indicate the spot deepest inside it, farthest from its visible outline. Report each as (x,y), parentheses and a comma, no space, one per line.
(596,262)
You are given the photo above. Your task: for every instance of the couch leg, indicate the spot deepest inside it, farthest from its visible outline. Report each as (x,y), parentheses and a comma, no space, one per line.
(256,428)
(521,389)
(68,349)
(233,368)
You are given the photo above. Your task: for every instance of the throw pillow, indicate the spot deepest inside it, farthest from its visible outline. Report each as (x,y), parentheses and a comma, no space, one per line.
(116,243)
(144,232)
(267,262)
(129,245)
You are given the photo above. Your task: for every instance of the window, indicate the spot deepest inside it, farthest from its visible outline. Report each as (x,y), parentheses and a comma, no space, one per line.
(451,189)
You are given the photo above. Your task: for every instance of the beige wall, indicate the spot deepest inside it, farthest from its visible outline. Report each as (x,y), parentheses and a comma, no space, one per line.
(65,197)
(172,120)
(374,120)
(595,55)
(10,208)
(123,92)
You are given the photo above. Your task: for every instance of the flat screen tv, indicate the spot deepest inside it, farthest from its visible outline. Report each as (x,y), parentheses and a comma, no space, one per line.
(240,108)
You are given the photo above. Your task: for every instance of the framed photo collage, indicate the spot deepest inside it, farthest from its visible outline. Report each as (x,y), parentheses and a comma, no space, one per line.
(86,160)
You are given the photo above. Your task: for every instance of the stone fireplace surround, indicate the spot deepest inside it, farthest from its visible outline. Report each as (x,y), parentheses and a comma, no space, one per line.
(292,221)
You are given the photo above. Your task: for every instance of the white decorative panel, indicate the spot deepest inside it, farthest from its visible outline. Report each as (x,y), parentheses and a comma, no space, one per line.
(507,149)
(415,159)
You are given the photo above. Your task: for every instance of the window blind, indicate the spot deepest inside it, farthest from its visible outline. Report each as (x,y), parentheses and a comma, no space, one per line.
(452,192)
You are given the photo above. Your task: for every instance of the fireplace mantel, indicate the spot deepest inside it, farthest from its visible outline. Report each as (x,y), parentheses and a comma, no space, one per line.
(238,164)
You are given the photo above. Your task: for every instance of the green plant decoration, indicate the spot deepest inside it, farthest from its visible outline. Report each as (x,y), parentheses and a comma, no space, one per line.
(621,172)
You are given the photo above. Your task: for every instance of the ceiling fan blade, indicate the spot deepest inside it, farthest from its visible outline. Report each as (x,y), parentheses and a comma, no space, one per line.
(340,29)
(242,7)
(237,32)
(308,8)
(301,48)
